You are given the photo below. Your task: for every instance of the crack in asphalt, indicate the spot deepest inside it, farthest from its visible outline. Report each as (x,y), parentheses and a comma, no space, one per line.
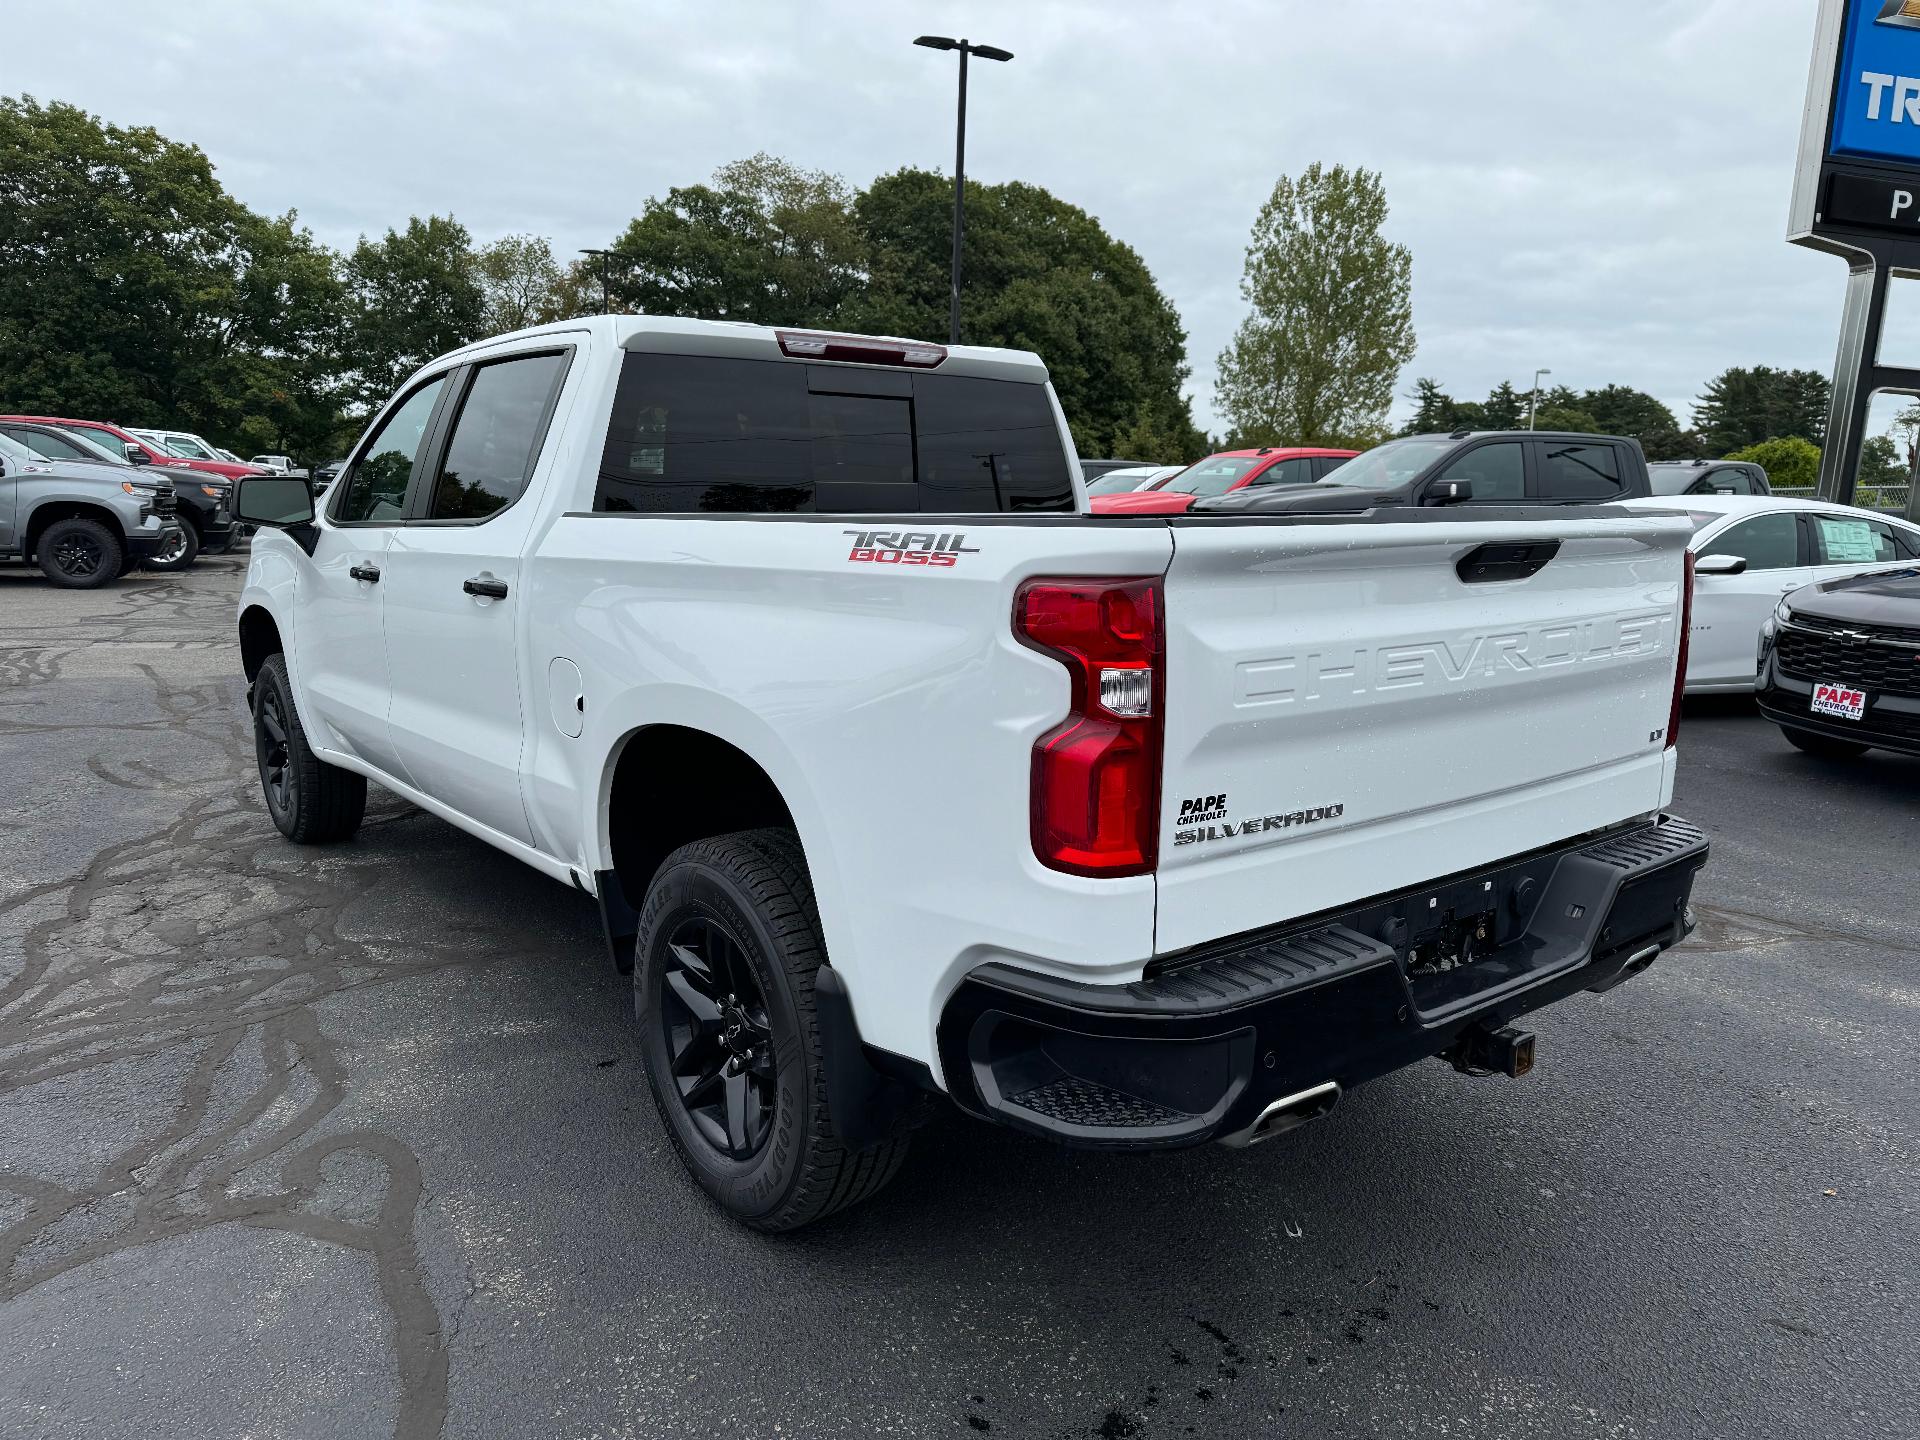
(191,939)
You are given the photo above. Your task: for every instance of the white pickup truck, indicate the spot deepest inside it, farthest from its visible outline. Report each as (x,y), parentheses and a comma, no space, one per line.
(896,775)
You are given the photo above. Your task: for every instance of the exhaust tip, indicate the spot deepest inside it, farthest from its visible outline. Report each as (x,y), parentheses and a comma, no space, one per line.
(1289,1112)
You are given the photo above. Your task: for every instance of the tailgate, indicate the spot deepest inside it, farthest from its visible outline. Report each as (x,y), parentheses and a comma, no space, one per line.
(1346,715)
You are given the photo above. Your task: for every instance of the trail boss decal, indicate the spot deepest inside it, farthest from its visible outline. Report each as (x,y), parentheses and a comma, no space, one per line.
(907,547)
(1840,701)
(1231,831)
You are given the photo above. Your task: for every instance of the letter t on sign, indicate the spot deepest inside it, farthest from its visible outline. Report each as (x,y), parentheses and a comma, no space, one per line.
(1877,83)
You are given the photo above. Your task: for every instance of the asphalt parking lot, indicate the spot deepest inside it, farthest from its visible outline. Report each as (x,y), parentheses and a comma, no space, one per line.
(354,1142)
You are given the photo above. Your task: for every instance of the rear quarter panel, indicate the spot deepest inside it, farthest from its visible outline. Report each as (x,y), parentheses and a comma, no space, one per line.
(890,704)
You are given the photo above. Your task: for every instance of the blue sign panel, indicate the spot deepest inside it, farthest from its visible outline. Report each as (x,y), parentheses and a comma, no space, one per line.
(1876,104)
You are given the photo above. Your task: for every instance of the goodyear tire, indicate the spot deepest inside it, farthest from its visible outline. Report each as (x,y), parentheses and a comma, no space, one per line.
(728,949)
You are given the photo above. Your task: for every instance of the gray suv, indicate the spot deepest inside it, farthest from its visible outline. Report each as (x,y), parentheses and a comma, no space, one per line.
(84,525)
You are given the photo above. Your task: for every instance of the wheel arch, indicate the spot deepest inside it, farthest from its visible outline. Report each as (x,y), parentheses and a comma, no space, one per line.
(259,638)
(50,512)
(669,782)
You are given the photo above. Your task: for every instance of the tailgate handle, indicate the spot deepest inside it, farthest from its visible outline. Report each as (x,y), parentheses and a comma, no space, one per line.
(1495,561)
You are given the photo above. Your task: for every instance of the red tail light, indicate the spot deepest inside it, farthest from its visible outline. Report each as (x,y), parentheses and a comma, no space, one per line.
(1096,775)
(1680,668)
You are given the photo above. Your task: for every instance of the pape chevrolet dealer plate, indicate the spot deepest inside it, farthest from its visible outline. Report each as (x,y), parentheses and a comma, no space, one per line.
(1842,702)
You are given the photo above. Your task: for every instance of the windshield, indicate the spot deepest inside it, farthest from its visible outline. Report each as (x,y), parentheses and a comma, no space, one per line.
(188,448)
(1389,466)
(1215,475)
(1114,482)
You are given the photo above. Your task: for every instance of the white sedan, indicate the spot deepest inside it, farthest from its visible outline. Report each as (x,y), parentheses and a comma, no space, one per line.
(1749,550)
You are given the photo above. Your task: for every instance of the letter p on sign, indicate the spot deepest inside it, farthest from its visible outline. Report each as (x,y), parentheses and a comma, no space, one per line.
(1902,200)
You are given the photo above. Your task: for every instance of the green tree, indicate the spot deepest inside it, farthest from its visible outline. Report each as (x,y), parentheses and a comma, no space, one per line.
(521,284)
(413,295)
(1746,406)
(1506,408)
(1041,275)
(764,242)
(1622,410)
(1880,462)
(1331,322)
(133,286)
(1433,409)
(1789,462)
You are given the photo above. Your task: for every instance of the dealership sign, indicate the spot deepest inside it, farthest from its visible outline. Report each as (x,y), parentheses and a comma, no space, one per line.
(1860,141)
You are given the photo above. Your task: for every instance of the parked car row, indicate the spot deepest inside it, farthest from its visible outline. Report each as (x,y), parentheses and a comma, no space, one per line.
(1486,467)
(94,458)
(83,523)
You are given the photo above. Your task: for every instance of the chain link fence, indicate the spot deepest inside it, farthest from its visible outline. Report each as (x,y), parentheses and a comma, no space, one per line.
(1891,498)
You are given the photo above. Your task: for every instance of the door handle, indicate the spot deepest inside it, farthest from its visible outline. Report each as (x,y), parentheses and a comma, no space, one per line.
(486,586)
(368,573)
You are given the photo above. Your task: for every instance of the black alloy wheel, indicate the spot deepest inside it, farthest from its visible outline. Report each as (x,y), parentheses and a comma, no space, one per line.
(719,1037)
(276,758)
(79,554)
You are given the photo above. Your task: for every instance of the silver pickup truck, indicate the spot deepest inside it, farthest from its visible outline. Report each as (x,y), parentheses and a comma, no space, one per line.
(84,525)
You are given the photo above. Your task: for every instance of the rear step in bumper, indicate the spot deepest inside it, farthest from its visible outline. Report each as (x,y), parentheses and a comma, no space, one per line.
(1251,1037)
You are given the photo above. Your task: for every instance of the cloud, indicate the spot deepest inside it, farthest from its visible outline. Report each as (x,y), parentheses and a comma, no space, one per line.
(1599,189)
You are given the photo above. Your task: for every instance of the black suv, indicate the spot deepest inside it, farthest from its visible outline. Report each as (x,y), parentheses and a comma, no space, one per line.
(1840,665)
(1485,467)
(205,500)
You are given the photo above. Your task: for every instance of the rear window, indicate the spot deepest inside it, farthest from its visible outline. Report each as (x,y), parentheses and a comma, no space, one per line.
(698,433)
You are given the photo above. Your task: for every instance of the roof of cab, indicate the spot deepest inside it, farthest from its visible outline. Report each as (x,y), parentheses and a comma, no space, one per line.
(670,334)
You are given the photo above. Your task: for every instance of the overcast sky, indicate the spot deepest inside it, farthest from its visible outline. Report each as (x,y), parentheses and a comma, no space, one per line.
(1598,188)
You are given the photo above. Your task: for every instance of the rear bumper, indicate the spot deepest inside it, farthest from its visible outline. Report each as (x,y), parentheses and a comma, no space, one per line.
(1201,1049)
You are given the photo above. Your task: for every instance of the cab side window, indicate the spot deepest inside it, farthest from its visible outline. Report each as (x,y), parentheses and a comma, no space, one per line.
(374,491)
(496,437)
(1570,470)
(1766,542)
(1286,472)
(1498,471)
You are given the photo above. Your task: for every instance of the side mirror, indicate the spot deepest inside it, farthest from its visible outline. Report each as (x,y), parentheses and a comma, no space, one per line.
(136,455)
(1449,492)
(1720,565)
(273,501)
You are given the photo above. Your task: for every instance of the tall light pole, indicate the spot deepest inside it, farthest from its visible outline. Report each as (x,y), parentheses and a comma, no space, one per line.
(606,303)
(985,52)
(1533,396)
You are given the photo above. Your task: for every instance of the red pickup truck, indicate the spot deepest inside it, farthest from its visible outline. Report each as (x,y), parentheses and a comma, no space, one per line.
(1228,470)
